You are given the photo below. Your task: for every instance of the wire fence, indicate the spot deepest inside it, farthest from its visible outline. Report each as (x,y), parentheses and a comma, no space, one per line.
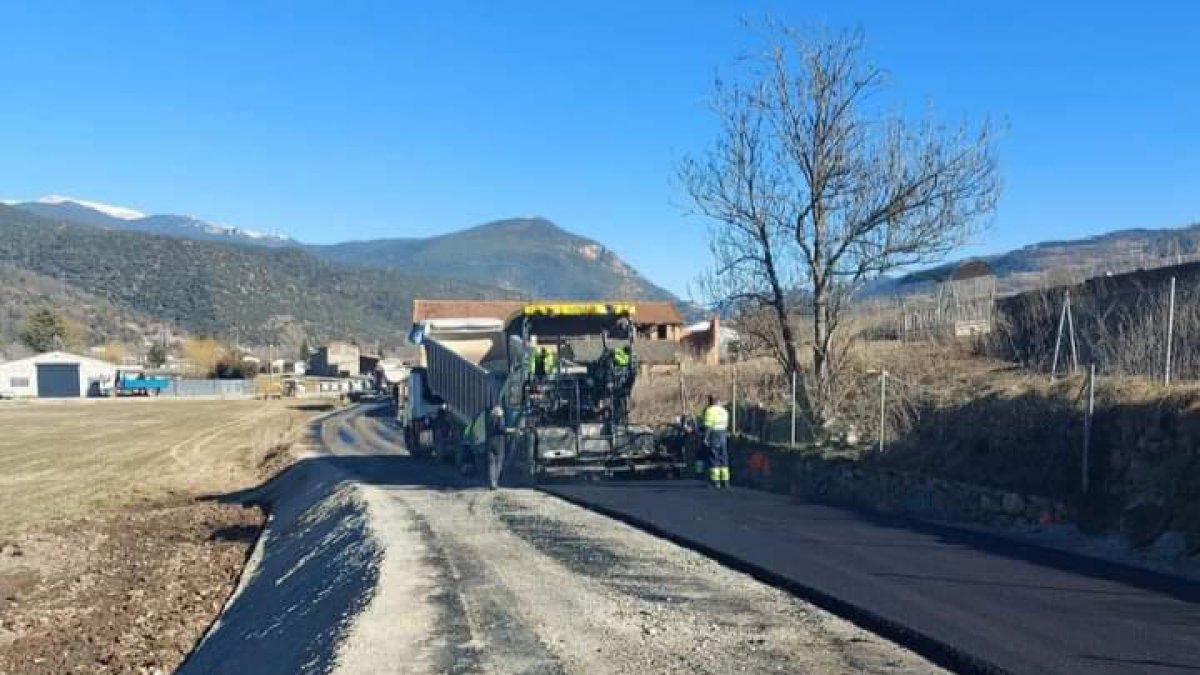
(1141,326)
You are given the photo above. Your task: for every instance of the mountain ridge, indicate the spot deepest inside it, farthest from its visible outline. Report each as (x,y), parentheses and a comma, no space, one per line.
(1064,261)
(530,256)
(257,295)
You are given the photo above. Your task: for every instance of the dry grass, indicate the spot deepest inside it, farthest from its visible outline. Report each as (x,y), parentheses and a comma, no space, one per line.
(72,459)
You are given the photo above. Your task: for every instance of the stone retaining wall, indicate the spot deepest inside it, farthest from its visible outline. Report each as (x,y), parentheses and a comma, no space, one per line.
(850,483)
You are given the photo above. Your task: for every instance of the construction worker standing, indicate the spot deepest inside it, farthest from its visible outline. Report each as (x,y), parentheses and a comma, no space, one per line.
(497,430)
(716,438)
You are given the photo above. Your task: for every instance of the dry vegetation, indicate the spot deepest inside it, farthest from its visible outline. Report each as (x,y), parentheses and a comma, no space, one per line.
(108,563)
(955,414)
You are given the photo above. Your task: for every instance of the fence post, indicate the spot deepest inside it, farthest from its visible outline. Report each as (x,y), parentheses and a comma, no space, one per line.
(1087,427)
(882,408)
(1062,320)
(1071,334)
(1170,332)
(793,406)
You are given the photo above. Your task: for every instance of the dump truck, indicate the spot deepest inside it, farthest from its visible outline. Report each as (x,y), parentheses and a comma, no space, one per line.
(562,372)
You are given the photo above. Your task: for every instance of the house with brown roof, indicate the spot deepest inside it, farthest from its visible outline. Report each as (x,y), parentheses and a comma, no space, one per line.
(655,319)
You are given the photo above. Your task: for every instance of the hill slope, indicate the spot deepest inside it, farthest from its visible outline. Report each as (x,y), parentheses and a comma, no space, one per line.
(529,256)
(259,294)
(1052,263)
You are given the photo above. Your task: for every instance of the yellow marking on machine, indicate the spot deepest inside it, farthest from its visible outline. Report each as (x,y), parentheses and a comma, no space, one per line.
(580,309)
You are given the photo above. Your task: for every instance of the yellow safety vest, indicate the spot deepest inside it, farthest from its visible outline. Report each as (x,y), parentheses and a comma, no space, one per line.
(621,358)
(716,418)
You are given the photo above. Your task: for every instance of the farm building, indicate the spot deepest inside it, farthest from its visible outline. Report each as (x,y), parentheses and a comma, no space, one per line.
(56,375)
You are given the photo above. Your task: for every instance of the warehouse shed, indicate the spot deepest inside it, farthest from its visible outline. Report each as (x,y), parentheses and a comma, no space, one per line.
(56,375)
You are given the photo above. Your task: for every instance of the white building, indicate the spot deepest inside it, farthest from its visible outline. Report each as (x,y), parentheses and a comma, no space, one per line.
(56,375)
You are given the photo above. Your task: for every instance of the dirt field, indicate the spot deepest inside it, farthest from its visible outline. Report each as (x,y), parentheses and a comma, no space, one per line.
(65,460)
(108,563)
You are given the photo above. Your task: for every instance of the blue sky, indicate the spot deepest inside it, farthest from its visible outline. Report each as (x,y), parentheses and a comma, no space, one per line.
(334,121)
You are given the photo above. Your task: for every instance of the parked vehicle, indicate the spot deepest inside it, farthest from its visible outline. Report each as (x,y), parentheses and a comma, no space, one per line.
(134,382)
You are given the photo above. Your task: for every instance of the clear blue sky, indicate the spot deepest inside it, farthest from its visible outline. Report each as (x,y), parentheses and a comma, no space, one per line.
(332,121)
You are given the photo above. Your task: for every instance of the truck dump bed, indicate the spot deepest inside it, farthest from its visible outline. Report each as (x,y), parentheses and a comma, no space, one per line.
(467,365)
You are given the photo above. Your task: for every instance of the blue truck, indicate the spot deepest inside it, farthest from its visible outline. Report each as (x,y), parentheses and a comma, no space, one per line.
(136,383)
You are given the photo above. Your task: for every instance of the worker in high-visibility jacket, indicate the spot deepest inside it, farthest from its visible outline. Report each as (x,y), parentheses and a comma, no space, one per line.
(715,422)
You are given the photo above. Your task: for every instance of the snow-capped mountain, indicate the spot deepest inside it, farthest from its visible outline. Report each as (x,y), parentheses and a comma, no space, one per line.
(112,217)
(119,212)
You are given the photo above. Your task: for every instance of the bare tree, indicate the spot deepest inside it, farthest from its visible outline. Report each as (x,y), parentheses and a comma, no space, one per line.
(815,189)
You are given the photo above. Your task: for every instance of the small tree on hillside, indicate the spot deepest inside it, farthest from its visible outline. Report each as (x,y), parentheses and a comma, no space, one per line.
(156,356)
(814,190)
(47,330)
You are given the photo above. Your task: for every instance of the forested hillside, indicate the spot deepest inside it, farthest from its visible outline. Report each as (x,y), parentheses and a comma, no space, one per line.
(257,295)
(530,256)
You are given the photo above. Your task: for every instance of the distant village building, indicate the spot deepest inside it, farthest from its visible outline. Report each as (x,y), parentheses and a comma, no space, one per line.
(336,359)
(56,375)
(958,301)
(709,342)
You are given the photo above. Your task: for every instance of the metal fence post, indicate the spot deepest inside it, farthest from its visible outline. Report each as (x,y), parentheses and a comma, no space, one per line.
(1071,333)
(1170,332)
(1087,427)
(882,408)
(793,406)
(1062,320)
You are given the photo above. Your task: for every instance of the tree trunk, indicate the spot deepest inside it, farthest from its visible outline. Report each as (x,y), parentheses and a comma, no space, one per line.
(821,338)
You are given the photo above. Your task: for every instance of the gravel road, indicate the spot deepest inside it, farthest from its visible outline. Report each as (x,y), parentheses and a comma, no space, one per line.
(517,581)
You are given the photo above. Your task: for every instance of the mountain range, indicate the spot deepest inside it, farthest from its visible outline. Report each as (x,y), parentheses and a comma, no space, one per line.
(523,256)
(122,272)
(109,217)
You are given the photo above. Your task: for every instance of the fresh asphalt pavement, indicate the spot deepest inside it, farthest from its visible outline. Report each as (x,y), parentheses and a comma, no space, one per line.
(969,601)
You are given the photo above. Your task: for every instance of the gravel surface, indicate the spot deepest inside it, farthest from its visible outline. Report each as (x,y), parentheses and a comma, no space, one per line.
(517,581)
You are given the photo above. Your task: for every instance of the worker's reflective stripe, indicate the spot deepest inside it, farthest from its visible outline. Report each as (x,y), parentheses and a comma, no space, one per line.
(716,418)
(714,474)
(578,309)
(621,357)
(723,473)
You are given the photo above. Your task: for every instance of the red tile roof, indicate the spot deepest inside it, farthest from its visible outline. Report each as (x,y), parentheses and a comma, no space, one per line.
(648,311)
